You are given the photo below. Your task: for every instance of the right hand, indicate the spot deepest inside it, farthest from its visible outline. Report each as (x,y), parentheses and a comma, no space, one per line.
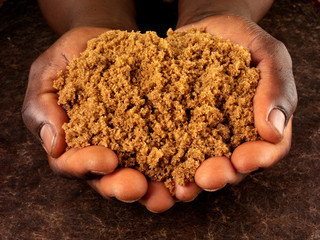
(44,118)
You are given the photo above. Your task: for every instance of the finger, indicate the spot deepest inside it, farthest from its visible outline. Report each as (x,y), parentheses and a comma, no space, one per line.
(158,198)
(275,98)
(41,112)
(45,118)
(125,184)
(186,193)
(84,162)
(251,156)
(216,172)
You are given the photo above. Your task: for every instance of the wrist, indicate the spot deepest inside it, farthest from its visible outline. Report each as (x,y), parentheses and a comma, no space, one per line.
(110,22)
(64,15)
(191,11)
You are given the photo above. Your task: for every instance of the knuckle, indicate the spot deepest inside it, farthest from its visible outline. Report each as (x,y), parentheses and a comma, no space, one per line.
(292,99)
(31,119)
(26,110)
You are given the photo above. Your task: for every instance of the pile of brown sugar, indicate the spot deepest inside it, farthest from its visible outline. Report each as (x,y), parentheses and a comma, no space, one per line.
(163,105)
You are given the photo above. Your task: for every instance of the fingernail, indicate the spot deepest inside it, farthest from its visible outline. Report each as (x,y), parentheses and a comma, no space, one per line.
(47,136)
(215,189)
(99,172)
(277,119)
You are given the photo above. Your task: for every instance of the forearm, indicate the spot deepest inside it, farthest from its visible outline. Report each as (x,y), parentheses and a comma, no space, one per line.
(63,15)
(192,11)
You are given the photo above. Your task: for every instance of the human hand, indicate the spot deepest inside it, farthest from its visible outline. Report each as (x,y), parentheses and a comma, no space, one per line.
(213,174)
(274,103)
(44,117)
(275,99)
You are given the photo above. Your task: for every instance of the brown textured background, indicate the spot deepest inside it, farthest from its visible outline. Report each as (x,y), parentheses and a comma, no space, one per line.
(282,202)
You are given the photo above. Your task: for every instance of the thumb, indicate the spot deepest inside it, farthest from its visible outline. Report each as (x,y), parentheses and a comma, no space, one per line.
(41,112)
(275,99)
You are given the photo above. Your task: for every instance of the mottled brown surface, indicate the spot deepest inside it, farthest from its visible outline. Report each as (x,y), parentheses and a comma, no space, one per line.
(282,202)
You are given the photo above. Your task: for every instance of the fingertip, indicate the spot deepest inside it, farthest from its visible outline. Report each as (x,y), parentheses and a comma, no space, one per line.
(52,141)
(186,193)
(277,120)
(99,159)
(125,184)
(251,156)
(44,118)
(83,162)
(158,198)
(48,138)
(272,127)
(214,173)
(273,103)
(56,117)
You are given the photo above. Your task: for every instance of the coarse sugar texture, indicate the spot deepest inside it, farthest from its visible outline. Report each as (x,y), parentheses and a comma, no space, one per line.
(163,105)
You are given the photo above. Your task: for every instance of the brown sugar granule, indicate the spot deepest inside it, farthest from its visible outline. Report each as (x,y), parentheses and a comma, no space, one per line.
(163,105)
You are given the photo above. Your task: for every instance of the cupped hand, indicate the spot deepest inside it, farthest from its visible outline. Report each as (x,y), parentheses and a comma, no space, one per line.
(44,117)
(274,103)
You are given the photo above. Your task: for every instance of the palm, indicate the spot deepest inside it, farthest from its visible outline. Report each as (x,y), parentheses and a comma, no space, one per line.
(276,90)
(44,117)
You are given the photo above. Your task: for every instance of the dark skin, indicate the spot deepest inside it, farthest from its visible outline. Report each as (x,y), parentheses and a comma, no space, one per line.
(78,21)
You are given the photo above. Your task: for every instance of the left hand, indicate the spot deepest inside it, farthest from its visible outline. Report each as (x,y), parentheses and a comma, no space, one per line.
(274,103)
